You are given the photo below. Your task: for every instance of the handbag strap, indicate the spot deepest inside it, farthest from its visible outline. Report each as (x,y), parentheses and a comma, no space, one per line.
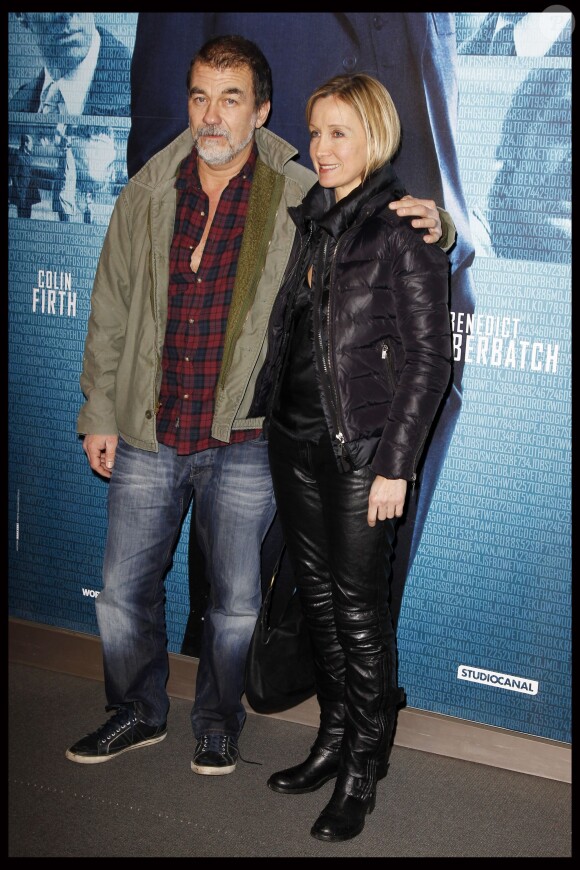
(267,603)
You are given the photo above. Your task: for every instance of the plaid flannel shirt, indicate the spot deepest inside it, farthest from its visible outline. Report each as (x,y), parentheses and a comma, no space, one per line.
(198,305)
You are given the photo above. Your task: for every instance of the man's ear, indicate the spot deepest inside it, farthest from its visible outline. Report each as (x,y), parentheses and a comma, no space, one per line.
(262,114)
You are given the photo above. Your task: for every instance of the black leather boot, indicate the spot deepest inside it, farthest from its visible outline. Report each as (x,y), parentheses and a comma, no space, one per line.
(345,814)
(320,766)
(324,758)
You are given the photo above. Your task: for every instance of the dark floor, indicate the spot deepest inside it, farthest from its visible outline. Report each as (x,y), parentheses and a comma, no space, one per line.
(148,803)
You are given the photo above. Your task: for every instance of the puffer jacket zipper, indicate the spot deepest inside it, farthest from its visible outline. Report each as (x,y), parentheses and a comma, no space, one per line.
(418,452)
(327,376)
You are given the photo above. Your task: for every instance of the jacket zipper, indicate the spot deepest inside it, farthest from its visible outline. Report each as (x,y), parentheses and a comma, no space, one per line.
(417,454)
(327,360)
(388,356)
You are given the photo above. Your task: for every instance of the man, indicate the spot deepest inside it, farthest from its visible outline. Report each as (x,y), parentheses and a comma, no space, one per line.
(64,192)
(24,191)
(86,69)
(89,208)
(193,259)
(414,55)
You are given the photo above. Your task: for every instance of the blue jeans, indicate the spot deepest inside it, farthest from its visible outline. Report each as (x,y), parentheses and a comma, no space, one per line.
(149,494)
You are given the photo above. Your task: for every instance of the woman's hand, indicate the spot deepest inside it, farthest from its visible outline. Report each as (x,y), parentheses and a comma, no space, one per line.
(386,499)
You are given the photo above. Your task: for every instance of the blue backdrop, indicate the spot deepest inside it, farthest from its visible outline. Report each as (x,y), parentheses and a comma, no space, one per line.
(485,624)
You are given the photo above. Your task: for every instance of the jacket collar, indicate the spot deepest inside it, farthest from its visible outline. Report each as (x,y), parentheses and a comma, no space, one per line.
(162,169)
(319,206)
(274,151)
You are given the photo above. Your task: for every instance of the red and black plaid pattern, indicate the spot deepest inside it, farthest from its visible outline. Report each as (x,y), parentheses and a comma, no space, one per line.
(198,308)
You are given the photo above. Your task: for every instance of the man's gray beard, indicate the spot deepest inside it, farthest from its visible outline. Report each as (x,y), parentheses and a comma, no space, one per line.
(214,155)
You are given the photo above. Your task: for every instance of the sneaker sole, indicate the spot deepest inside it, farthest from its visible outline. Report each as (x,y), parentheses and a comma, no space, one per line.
(99,759)
(204,770)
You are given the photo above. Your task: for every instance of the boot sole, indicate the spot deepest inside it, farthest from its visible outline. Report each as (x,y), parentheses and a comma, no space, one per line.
(331,838)
(281,790)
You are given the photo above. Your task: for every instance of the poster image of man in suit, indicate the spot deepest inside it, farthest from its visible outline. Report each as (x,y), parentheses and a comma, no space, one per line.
(85,70)
(527,213)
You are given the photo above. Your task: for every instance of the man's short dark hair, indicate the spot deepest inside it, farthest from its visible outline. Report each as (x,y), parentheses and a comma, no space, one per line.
(225,52)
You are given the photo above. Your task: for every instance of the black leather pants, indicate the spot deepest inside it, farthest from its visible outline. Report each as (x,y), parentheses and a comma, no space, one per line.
(342,568)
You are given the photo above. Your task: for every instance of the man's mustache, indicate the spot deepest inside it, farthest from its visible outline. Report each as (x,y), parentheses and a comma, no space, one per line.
(211,130)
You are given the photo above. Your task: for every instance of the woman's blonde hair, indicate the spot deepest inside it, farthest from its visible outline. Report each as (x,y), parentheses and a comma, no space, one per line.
(375,109)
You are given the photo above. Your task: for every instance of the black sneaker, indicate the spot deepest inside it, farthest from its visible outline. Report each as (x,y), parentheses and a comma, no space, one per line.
(215,754)
(121,732)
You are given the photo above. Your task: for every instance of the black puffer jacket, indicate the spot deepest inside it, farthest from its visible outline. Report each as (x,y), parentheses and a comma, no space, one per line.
(382,332)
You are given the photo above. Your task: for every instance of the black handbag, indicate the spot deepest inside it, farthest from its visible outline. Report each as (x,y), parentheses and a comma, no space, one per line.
(279,667)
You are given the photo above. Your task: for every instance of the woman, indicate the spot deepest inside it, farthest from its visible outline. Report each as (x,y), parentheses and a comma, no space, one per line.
(362,344)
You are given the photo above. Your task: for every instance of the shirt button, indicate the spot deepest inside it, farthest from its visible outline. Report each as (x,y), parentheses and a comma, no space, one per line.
(191,320)
(186,395)
(202,213)
(187,359)
(349,62)
(378,22)
(199,280)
